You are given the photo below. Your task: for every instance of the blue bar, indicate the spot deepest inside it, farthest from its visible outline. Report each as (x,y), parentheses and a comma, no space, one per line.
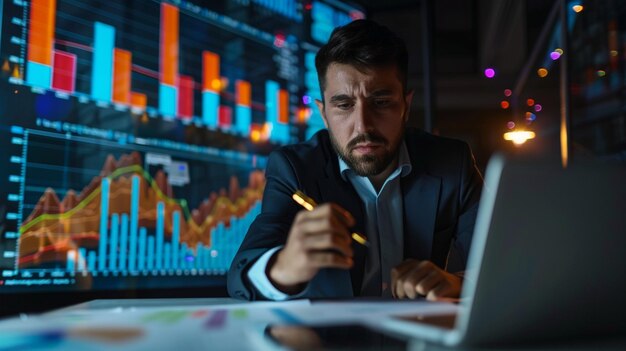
(167,99)
(168,256)
(243,118)
(134,222)
(160,234)
(38,75)
(210,108)
(142,248)
(123,266)
(182,259)
(70,261)
(271,101)
(115,227)
(104,219)
(175,239)
(82,259)
(91,262)
(280,133)
(150,264)
(199,256)
(102,69)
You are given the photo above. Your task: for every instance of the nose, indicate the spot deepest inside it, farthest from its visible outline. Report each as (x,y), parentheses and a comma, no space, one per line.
(363,119)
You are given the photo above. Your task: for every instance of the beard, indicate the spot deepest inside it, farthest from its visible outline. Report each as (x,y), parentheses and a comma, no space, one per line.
(367,165)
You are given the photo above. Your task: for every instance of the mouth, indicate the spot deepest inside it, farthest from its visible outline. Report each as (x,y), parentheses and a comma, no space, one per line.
(366,148)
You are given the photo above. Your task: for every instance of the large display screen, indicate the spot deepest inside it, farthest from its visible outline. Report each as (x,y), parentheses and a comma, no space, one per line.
(134,134)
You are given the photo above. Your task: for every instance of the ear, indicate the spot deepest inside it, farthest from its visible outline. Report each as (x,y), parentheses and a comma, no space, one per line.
(320,107)
(408,98)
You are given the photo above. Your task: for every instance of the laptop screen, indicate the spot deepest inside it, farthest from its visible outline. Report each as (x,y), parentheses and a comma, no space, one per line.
(134,134)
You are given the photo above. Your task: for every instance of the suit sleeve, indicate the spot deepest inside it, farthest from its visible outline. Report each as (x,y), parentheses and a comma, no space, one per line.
(269,229)
(471,183)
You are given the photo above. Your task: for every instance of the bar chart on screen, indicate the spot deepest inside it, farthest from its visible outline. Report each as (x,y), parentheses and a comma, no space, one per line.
(157,66)
(134,213)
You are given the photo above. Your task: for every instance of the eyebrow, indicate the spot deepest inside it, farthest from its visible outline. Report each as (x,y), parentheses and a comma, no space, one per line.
(382,92)
(346,97)
(341,98)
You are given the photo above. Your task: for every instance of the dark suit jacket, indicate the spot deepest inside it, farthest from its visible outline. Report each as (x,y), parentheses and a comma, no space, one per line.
(440,203)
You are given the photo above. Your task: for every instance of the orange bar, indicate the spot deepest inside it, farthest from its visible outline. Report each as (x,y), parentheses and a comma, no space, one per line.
(41,31)
(121,75)
(211,72)
(283,106)
(138,100)
(169,44)
(242,92)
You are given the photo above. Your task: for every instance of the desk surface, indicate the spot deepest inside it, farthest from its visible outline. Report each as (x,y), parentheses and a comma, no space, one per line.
(203,323)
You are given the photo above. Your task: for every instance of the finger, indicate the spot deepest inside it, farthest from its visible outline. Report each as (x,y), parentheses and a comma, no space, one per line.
(425,285)
(328,241)
(322,225)
(442,290)
(334,210)
(328,259)
(401,270)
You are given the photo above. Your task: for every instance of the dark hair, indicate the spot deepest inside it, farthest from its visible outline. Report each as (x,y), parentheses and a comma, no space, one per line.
(363,44)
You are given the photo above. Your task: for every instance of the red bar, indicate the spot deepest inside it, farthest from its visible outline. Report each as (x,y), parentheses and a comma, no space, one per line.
(283,106)
(64,71)
(185,96)
(169,44)
(225,116)
(41,31)
(122,65)
(211,72)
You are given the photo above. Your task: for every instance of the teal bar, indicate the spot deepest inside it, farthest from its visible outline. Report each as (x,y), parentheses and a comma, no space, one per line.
(210,108)
(104,222)
(183,253)
(38,75)
(70,261)
(123,265)
(102,69)
(175,239)
(134,222)
(115,225)
(160,234)
(150,265)
(168,256)
(142,249)
(82,259)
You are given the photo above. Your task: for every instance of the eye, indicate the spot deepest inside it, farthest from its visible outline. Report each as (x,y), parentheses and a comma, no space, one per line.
(382,102)
(344,105)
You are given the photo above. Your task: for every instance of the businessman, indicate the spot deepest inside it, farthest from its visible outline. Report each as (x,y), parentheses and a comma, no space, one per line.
(412,194)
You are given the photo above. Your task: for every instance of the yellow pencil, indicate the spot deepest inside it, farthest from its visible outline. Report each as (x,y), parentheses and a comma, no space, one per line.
(309,204)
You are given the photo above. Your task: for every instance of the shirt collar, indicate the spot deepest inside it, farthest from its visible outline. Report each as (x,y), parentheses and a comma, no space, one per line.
(404,163)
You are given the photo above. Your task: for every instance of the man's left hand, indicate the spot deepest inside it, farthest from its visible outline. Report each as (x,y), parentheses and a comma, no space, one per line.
(412,278)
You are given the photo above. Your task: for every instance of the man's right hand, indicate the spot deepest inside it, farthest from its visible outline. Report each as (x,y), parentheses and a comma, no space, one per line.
(317,239)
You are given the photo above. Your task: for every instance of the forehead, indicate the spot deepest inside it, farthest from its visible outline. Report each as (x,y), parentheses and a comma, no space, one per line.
(343,78)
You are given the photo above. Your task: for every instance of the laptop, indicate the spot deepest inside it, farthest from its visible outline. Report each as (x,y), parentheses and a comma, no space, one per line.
(548,259)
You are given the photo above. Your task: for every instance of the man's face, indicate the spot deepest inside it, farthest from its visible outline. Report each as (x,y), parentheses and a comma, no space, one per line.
(365,113)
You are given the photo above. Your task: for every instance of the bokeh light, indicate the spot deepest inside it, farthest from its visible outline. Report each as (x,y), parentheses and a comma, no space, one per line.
(554,55)
(504,104)
(601,73)
(530,102)
(490,73)
(510,124)
(542,72)
(577,8)
(538,107)
(507,92)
